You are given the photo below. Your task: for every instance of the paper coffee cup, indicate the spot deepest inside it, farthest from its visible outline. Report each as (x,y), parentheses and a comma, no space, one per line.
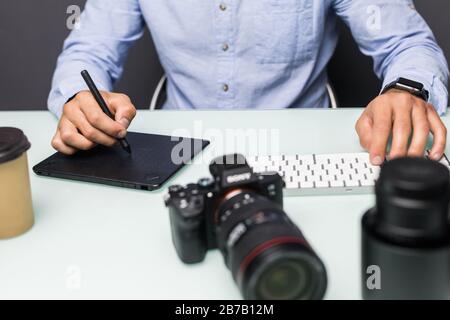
(16,210)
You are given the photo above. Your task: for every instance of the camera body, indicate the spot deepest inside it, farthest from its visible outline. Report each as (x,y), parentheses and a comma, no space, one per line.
(193,208)
(241,213)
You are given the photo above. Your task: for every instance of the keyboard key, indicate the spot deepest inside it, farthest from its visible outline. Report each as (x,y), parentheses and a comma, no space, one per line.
(322,184)
(292,185)
(307,184)
(351,183)
(367,183)
(337,183)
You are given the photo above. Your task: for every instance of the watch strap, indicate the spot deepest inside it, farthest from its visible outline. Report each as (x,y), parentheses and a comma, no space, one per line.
(415,88)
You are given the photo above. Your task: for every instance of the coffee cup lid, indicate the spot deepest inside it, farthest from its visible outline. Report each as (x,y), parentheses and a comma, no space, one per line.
(13,143)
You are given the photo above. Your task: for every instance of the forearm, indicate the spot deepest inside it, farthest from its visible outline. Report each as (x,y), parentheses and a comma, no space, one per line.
(67,80)
(107,30)
(422,65)
(400,42)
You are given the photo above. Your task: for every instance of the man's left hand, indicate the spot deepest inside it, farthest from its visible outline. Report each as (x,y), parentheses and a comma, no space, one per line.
(408,118)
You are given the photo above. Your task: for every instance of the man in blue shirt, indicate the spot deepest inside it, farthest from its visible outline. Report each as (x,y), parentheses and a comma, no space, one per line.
(228,54)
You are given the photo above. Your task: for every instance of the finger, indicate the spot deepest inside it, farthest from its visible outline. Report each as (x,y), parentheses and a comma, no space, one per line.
(382,125)
(99,120)
(421,130)
(78,118)
(60,146)
(401,132)
(72,138)
(439,131)
(123,109)
(364,128)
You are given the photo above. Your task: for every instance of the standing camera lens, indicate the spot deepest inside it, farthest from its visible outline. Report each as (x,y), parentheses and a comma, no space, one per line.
(407,235)
(267,254)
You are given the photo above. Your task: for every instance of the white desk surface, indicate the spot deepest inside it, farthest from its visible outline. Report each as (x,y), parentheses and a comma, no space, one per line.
(91,241)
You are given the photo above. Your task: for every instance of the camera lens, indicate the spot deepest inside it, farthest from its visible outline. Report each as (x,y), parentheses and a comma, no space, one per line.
(285,280)
(267,254)
(406,236)
(412,201)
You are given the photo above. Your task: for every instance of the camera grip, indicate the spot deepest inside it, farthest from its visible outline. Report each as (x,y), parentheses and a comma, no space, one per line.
(188,236)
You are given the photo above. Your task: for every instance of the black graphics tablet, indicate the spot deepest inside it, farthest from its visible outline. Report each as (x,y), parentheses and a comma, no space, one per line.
(154,159)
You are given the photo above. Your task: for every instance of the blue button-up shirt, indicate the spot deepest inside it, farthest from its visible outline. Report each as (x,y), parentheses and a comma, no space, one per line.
(228,54)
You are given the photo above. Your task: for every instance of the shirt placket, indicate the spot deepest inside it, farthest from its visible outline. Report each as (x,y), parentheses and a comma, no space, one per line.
(224,29)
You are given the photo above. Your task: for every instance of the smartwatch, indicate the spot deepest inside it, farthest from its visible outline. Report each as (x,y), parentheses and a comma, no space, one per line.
(415,88)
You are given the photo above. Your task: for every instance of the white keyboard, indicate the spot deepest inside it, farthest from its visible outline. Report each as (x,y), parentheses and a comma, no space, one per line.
(323,174)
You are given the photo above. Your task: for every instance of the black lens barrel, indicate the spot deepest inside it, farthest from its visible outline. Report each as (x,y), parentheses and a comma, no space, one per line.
(406,236)
(268,239)
(412,201)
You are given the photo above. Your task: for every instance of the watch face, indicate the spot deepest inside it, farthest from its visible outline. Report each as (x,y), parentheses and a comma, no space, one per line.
(410,83)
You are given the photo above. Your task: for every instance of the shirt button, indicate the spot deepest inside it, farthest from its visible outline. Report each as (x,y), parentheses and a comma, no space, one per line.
(225,47)
(223,7)
(225,88)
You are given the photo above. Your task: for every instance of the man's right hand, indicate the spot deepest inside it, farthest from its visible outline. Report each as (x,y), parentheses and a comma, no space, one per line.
(83,124)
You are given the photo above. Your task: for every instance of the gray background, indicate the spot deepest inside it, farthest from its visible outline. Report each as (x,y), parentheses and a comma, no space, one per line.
(32,33)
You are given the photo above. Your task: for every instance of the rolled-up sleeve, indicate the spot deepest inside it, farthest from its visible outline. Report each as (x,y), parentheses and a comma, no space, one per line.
(99,44)
(400,42)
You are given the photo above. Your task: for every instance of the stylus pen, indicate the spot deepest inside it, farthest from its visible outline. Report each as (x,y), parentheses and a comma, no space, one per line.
(101,102)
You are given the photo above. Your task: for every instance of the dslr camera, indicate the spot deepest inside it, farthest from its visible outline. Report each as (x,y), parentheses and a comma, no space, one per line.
(241,213)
